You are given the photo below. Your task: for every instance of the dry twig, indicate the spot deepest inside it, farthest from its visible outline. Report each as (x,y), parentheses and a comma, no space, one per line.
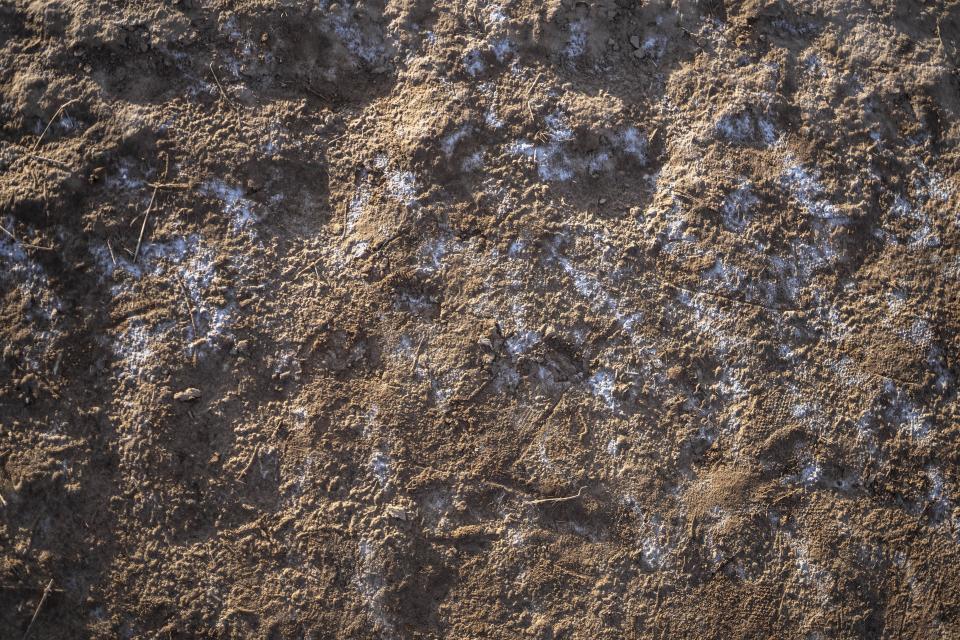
(26,244)
(223,91)
(56,163)
(170,185)
(46,594)
(186,297)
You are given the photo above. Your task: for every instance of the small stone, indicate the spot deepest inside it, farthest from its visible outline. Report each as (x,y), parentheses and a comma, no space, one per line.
(187,395)
(398,513)
(635,41)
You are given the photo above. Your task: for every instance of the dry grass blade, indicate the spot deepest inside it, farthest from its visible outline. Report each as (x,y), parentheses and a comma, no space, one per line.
(52,120)
(146,216)
(311,265)
(563,499)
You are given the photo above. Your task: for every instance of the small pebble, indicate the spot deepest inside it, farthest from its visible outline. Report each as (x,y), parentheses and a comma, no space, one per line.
(187,395)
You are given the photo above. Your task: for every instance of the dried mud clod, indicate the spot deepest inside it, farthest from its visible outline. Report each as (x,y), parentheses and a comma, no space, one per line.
(368,319)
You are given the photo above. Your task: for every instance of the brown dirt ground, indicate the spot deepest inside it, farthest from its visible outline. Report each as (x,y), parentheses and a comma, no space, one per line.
(467,319)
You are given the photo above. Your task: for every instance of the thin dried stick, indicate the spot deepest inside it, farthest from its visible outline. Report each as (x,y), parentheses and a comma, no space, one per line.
(318,93)
(26,244)
(20,587)
(46,594)
(59,111)
(564,499)
(146,215)
(186,296)
(50,161)
(573,573)
(527,96)
(416,358)
(312,265)
(170,185)
(223,91)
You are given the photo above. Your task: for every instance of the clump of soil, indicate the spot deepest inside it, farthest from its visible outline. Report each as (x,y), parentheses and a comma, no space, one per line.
(479,320)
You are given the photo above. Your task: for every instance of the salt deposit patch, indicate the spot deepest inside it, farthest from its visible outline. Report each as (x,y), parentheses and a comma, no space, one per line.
(522,341)
(713,321)
(136,347)
(805,186)
(577,41)
(359,202)
(24,273)
(371,582)
(473,62)
(450,141)
(402,186)
(240,209)
(654,47)
(20,272)
(601,384)
(184,263)
(362,40)
(556,163)
(742,126)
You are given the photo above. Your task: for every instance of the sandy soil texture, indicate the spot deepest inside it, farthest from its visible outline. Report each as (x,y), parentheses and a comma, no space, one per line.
(512,319)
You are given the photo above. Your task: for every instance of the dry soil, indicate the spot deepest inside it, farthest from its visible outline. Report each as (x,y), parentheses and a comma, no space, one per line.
(456,319)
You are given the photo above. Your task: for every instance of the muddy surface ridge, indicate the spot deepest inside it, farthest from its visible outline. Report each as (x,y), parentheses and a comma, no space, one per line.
(469,320)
